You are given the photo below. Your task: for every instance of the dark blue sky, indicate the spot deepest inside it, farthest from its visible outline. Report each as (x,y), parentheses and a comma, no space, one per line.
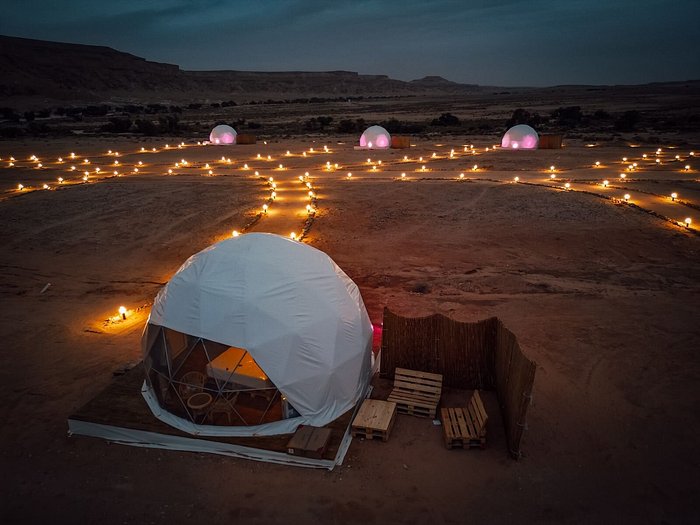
(497,42)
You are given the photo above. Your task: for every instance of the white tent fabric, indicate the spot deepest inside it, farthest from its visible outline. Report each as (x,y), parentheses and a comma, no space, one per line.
(375,137)
(521,136)
(222,134)
(291,307)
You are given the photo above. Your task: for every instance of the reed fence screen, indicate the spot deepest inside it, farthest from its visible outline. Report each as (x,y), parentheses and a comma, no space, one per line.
(484,355)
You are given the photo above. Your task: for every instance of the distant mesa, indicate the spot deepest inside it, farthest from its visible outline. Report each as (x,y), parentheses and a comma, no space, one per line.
(521,136)
(222,134)
(375,137)
(40,73)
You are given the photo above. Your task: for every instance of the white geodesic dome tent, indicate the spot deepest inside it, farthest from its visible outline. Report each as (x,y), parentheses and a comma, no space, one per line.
(288,316)
(222,134)
(375,137)
(520,136)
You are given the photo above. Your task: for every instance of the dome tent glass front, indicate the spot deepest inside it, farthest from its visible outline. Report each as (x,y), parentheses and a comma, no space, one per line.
(260,314)
(222,134)
(375,137)
(521,136)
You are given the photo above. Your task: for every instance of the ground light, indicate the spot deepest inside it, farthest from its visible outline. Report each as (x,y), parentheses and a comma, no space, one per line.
(122,312)
(674,196)
(688,221)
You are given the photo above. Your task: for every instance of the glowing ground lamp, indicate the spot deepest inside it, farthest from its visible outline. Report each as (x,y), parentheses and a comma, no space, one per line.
(122,312)
(674,196)
(235,233)
(222,134)
(567,186)
(375,137)
(516,179)
(627,197)
(605,183)
(521,136)
(688,221)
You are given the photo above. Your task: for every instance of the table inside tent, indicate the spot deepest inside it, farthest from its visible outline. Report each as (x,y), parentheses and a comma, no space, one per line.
(236,365)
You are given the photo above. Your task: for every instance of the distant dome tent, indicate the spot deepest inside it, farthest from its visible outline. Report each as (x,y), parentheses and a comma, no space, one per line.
(521,136)
(256,316)
(375,137)
(222,134)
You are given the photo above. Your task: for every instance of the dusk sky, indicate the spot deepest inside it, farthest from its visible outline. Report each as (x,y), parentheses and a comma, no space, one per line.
(496,42)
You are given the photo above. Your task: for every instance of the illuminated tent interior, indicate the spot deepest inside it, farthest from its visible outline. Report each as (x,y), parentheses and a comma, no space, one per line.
(256,334)
(222,134)
(375,137)
(521,136)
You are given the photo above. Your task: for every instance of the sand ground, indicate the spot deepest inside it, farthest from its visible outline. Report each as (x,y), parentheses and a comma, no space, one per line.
(604,297)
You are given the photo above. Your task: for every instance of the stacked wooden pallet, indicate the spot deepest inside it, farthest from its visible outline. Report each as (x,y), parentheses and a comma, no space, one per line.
(374,420)
(416,393)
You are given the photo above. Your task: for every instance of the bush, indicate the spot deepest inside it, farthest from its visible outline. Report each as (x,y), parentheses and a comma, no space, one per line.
(568,117)
(628,121)
(117,125)
(146,127)
(523,116)
(446,119)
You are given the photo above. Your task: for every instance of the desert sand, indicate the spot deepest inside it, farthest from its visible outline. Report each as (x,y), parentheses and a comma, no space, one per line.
(603,296)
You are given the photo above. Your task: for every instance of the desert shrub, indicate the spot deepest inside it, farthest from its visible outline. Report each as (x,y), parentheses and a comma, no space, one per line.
(568,117)
(96,111)
(317,123)
(11,132)
(146,127)
(346,126)
(227,103)
(421,288)
(523,116)
(446,119)
(628,121)
(117,125)
(168,124)
(38,128)
(10,114)
(397,126)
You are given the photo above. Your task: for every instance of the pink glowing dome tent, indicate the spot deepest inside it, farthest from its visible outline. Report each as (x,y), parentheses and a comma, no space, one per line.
(222,134)
(521,136)
(375,137)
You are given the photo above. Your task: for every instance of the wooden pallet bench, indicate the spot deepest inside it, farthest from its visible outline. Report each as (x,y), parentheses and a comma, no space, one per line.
(374,419)
(465,427)
(416,393)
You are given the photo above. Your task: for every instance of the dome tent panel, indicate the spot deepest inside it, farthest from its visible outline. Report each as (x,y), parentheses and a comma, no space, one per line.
(521,136)
(222,134)
(291,307)
(375,137)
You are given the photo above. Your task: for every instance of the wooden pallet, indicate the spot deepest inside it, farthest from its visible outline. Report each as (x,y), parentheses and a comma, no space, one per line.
(465,427)
(416,393)
(374,419)
(310,442)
